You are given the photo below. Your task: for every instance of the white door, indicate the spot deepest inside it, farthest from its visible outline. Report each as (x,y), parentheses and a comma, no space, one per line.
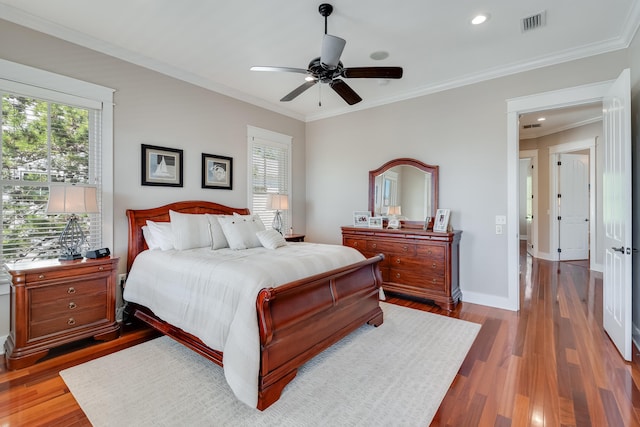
(529,208)
(616,195)
(573,179)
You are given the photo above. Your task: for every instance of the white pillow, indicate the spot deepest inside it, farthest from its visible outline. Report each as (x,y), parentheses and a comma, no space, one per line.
(240,230)
(190,230)
(271,239)
(218,240)
(148,237)
(161,235)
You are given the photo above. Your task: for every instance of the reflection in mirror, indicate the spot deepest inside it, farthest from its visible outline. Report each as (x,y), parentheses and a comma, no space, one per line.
(406,189)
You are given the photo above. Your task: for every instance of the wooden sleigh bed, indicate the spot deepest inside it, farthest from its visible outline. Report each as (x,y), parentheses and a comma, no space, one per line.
(296,321)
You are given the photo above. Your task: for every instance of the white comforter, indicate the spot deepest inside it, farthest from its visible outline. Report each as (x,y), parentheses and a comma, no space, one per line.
(212,295)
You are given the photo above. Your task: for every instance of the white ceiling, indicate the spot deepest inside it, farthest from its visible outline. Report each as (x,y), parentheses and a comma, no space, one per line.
(213,43)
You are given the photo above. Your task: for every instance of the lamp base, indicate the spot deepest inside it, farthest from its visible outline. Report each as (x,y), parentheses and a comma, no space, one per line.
(69,257)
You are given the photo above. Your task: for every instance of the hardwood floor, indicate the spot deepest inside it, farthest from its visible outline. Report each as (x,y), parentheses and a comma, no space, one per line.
(551,364)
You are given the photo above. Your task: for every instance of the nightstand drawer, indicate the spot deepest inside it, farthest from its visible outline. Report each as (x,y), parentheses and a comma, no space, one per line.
(68,306)
(56,274)
(66,323)
(71,289)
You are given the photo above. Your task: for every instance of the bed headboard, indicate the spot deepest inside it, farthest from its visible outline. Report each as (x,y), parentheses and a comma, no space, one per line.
(138,218)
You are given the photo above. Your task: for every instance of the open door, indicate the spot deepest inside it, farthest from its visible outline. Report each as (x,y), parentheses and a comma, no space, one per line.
(573,206)
(616,194)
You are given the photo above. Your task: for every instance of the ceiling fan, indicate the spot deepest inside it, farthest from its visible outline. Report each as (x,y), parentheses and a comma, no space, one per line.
(327,68)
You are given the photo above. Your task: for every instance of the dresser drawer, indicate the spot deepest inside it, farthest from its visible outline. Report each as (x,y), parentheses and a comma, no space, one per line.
(391,247)
(67,307)
(431,252)
(63,273)
(418,265)
(418,279)
(66,323)
(359,244)
(72,289)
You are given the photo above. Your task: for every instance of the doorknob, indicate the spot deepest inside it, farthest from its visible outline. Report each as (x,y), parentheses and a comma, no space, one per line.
(620,249)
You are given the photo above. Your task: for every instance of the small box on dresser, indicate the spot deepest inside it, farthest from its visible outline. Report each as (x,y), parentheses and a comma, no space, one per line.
(418,263)
(53,303)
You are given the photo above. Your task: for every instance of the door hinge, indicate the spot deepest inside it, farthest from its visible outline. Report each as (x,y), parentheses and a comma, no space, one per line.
(559,163)
(559,218)
(559,250)
(559,195)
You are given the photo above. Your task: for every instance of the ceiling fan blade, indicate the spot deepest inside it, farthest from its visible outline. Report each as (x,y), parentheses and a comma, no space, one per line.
(345,91)
(372,73)
(297,91)
(332,48)
(285,69)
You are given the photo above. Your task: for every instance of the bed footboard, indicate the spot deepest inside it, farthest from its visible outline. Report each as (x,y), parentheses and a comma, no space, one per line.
(299,320)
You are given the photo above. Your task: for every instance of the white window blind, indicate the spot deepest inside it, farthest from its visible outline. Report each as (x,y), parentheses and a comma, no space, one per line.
(269,173)
(45,142)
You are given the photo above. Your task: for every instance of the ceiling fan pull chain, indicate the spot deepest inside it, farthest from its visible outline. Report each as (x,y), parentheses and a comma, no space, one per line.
(319,95)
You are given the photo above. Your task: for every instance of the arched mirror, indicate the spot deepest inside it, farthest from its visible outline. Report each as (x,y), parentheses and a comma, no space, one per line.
(406,188)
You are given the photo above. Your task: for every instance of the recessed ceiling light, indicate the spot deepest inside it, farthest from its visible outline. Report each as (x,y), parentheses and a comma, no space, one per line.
(379,55)
(481,18)
(542,119)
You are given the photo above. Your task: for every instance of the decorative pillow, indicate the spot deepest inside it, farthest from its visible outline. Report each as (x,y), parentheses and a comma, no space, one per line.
(271,239)
(240,230)
(218,240)
(161,235)
(190,230)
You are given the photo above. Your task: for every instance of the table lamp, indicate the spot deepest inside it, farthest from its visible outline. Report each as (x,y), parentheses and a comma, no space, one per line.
(72,199)
(278,202)
(393,213)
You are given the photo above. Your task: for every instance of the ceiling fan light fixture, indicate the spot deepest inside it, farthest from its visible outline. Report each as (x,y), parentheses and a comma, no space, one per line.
(309,78)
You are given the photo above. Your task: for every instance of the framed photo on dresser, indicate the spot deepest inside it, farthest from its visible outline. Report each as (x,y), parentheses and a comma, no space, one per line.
(441,223)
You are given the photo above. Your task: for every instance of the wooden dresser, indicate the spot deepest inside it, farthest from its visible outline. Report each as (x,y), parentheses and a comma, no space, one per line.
(418,263)
(58,302)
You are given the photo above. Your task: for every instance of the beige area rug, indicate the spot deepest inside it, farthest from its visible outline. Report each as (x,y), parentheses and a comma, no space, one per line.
(396,374)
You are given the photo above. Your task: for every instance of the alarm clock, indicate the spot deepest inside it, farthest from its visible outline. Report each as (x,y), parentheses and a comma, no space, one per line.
(98,253)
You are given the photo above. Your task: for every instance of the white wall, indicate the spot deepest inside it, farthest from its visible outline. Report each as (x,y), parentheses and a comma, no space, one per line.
(464,131)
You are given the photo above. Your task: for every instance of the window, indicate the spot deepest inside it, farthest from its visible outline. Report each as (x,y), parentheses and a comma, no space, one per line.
(53,129)
(269,173)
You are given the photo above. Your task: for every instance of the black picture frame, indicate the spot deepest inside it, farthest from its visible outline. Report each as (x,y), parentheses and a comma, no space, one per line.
(217,172)
(161,166)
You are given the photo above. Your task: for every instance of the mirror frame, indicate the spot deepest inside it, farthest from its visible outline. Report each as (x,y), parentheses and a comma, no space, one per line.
(433,169)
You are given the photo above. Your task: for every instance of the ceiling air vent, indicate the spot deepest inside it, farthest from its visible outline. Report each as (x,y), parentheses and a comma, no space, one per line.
(534,21)
(535,125)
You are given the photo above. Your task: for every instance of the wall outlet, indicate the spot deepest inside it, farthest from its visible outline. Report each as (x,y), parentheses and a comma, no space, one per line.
(122,278)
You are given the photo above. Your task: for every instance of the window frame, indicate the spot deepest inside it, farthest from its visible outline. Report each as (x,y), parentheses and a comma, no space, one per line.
(54,87)
(255,133)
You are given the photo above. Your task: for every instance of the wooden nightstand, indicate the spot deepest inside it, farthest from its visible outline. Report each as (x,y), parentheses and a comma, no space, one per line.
(294,237)
(57,302)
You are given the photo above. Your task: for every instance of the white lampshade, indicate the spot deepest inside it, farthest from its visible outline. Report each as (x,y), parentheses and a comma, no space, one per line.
(71,198)
(395,210)
(278,202)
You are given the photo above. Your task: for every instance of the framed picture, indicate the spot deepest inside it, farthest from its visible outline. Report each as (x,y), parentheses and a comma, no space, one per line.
(161,166)
(361,218)
(217,172)
(441,222)
(375,222)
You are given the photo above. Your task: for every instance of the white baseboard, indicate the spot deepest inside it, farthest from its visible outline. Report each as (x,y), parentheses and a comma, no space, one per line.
(488,300)
(3,338)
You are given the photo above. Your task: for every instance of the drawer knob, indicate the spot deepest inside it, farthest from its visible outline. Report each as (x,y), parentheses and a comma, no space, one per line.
(101,268)
(41,276)
(375,245)
(433,280)
(433,265)
(397,275)
(405,248)
(72,305)
(71,290)
(71,321)
(397,260)
(355,244)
